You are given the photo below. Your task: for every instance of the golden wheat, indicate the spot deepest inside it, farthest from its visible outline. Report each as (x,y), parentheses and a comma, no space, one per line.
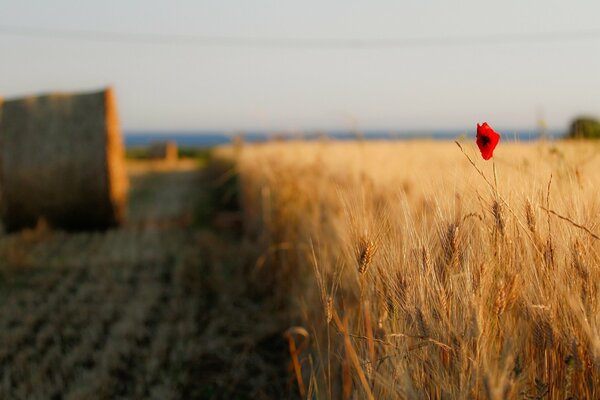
(490,305)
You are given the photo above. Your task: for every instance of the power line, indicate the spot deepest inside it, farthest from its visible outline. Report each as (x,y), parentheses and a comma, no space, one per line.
(295,42)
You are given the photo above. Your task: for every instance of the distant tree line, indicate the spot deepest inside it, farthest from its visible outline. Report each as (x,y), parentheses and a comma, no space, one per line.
(584,128)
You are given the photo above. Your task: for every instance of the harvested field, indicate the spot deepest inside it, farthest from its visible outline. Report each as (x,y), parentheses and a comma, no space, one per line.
(157,309)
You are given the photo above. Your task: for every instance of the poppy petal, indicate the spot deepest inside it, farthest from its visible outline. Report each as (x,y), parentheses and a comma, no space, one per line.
(487,139)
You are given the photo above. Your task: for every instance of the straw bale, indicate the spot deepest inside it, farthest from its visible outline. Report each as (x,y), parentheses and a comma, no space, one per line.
(62,160)
(166,151)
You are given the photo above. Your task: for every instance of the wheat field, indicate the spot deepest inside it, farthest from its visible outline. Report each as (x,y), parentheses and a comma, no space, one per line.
(414,271)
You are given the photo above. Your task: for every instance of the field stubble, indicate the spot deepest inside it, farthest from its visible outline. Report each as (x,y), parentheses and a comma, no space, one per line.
(157,309)
(414,278)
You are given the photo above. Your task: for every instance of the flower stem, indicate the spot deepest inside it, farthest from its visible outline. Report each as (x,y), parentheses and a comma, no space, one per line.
(495,178)
(480,172)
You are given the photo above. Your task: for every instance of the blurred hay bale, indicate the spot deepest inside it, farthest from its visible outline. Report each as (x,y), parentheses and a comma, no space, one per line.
(166,151)
(62,160)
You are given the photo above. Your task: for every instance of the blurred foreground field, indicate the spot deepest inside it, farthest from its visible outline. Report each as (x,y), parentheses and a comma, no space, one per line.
(156,309)
(412,276)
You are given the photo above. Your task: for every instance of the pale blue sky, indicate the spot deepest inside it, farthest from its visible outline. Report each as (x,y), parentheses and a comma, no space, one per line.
(179,86)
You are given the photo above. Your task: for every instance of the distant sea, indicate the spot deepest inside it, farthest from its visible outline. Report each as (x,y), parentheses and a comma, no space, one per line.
(214,138)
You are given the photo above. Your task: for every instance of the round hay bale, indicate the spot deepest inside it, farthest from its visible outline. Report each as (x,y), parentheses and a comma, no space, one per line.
(166,151)
(62,160)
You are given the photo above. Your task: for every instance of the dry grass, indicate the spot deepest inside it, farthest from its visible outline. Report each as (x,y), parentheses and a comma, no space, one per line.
(415,279)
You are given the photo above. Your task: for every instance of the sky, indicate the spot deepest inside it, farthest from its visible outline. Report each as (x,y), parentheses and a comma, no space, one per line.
(175,84)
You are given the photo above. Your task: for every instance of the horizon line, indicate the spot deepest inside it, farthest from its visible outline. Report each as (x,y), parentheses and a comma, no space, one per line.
(228,131)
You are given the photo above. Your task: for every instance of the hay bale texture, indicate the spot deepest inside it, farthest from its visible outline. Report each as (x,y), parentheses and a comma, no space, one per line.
(166,151)
(62,160)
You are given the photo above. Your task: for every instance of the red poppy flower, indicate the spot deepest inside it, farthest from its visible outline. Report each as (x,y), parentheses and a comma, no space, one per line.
(487,140)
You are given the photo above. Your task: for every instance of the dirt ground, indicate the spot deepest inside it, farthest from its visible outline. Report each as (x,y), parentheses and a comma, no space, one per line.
(159,308)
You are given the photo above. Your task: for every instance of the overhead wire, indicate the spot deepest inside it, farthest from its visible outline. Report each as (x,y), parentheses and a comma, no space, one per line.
(297,42)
